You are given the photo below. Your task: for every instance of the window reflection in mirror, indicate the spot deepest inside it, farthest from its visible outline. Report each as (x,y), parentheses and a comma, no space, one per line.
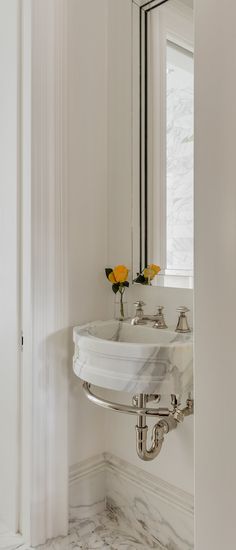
(168,229)
(179,159)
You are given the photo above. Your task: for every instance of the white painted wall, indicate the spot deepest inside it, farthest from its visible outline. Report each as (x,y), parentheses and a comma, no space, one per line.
(88,251)
(120,440)
(87,201)
(119,131)
(215,260)
(9,336)
(100,179)
(175,463)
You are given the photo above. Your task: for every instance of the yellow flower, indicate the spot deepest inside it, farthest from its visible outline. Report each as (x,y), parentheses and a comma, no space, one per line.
(111,278)
(151,271)
(120,274)
(155,268)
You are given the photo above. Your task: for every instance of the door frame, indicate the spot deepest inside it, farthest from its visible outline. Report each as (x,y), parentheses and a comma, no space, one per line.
(44,380)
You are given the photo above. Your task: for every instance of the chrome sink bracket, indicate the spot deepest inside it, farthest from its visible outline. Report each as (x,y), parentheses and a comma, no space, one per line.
(169,418)
(120,407)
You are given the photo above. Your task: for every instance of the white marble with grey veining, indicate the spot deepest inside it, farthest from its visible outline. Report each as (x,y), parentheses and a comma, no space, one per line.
(101,532)
(142,511)
(154,511)
(9,540)
(135,359)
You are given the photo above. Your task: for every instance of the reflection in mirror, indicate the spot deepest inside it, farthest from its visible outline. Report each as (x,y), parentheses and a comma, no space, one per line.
(167,132)
(179,159)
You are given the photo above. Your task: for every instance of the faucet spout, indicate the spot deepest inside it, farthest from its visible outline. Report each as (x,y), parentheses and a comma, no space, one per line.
(139,315)
(141,319)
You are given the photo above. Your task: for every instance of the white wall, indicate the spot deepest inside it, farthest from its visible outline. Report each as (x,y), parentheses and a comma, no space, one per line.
(215,259)
(119,131)
(9,337)
(100,179)
(175,463)
(87,204)
(120,440)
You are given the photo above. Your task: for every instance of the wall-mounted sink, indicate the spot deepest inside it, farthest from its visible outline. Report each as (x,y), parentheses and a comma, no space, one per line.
(134,359)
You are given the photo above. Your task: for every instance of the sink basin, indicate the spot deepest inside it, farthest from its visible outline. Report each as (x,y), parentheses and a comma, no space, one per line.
(134,359)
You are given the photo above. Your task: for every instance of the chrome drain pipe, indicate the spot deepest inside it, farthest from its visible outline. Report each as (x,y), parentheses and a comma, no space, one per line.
(157,441)
(169,419)
(142,432)
(159,431)
(163,427)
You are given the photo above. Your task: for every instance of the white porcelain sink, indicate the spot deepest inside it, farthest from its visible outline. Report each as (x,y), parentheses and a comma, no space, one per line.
(135,359)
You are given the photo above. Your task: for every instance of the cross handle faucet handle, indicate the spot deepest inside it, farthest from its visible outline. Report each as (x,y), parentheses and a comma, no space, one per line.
(182,309)
(159,318)
(139,304)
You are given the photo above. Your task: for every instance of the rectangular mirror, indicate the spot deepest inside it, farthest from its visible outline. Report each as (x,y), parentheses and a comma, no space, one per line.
(163,199)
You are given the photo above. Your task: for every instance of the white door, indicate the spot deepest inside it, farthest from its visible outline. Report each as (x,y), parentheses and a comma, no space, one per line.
(9,266)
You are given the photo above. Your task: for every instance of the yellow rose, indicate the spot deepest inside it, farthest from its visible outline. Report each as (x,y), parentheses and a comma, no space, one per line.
(155,268)
(151,271)
(120,273)
(111,278)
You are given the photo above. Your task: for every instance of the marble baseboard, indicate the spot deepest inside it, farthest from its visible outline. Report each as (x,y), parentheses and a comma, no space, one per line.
(149,509)
(87,496)
(157,513)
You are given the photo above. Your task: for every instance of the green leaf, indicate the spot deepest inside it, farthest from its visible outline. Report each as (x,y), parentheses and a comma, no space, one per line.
(141,280)
(108,270)
(126,283)
(115,287)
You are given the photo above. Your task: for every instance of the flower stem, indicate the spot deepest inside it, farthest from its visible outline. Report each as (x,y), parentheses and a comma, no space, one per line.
(122,314)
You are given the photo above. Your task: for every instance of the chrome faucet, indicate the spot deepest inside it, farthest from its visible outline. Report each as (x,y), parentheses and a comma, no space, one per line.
(182,325)
(138,319)
(141,319)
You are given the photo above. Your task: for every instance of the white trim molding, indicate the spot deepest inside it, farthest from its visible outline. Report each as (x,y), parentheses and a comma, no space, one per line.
(44,486)
(87,496)
(86,468)
(150,483)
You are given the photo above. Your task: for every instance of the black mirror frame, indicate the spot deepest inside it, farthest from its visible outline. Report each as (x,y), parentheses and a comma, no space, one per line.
(145,7)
